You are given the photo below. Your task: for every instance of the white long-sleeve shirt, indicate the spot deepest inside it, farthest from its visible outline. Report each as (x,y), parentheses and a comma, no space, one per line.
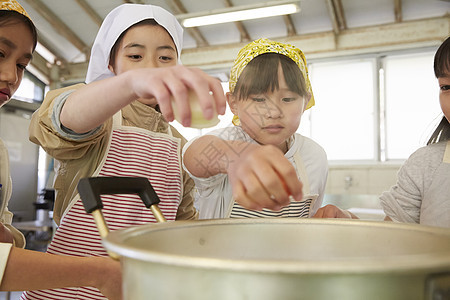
(215,194)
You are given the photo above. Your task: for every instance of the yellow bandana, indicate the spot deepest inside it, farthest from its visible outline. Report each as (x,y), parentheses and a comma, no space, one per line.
(13,5)
(261,46)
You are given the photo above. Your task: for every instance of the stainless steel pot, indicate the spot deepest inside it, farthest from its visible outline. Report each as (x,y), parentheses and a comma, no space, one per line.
(283,259)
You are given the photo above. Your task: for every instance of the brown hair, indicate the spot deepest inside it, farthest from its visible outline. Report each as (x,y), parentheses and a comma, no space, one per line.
(259,76)
(10,16)
(442,69)
(442,59)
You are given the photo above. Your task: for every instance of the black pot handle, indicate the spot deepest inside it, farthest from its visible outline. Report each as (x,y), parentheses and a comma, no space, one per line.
(90,190)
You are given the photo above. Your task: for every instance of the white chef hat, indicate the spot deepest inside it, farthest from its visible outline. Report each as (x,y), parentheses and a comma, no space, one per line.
(116,22)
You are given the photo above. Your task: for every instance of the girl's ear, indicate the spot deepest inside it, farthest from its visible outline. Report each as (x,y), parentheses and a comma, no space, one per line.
(232,102)
(111,68)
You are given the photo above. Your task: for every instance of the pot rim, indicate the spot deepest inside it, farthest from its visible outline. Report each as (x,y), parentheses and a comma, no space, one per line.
(414,263)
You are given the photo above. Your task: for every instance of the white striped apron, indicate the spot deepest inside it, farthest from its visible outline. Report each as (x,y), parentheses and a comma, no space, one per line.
(296,209)
(131,151)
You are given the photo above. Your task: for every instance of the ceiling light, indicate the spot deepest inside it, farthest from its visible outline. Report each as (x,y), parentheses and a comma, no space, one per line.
(240,13)
(45,53)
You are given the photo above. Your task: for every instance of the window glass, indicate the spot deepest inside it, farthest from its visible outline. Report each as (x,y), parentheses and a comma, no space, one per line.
(412,103)
(346,120)
(31,89)
(342,121)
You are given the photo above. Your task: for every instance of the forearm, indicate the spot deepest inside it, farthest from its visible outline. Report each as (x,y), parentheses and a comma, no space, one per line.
(209,155)
(29,270)
(94,103)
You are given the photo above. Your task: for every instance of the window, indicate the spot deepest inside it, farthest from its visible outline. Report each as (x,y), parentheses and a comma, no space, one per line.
(31,89)
(342,121)
(412,106)
(369,108)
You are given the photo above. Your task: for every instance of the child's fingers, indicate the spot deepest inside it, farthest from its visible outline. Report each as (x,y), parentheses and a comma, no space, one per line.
(283,178)
(180,101)
(273,184)
(163,97)
(209,91)
(290,182)
(319,214)
(331,211)
(241,197)
(255,190)
(253,195)
(219,96)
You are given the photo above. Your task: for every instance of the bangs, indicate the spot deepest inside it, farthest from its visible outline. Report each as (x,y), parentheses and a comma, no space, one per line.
(442,60)
(10,16)
(261,76)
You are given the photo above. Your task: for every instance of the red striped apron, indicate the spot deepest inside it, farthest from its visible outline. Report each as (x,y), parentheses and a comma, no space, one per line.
(131,151)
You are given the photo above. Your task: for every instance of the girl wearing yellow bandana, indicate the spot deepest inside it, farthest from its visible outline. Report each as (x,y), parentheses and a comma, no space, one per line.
(261,167)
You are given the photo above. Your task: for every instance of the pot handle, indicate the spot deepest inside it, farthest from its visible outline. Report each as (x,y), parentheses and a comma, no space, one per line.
(91,188)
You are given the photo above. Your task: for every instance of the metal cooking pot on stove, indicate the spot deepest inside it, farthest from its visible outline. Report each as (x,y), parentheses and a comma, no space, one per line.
(266,259)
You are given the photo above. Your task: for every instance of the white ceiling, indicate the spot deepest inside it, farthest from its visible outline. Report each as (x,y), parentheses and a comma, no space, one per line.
(68,27)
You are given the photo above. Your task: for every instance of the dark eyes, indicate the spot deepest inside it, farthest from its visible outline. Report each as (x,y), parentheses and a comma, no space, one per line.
(260,100)
(165,58)
(135,56)
(20,66)
(445,87)
(139,57)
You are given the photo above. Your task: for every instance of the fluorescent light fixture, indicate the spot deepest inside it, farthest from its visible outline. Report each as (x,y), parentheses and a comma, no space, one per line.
(240,13)
(45,53)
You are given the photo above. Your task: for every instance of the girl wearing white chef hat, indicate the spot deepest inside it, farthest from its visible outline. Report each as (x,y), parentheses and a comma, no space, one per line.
(117,125)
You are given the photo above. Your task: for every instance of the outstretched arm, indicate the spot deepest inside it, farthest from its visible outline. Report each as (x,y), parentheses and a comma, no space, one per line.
(31,270)
(92,105)
(260,175)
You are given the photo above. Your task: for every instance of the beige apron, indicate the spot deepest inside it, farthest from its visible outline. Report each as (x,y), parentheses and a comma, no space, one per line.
(435,206)
(133,152)
(446,158)
(300,209)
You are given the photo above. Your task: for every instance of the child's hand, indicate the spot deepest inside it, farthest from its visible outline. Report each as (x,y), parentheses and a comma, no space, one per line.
(262,177)
(163,84)
(331,211)
(5,234)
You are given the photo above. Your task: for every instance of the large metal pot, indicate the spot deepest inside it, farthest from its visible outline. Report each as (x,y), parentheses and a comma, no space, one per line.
(283,259)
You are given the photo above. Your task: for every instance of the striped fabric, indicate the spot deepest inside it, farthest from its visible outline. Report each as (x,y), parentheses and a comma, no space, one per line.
(296,209)
(131,153)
